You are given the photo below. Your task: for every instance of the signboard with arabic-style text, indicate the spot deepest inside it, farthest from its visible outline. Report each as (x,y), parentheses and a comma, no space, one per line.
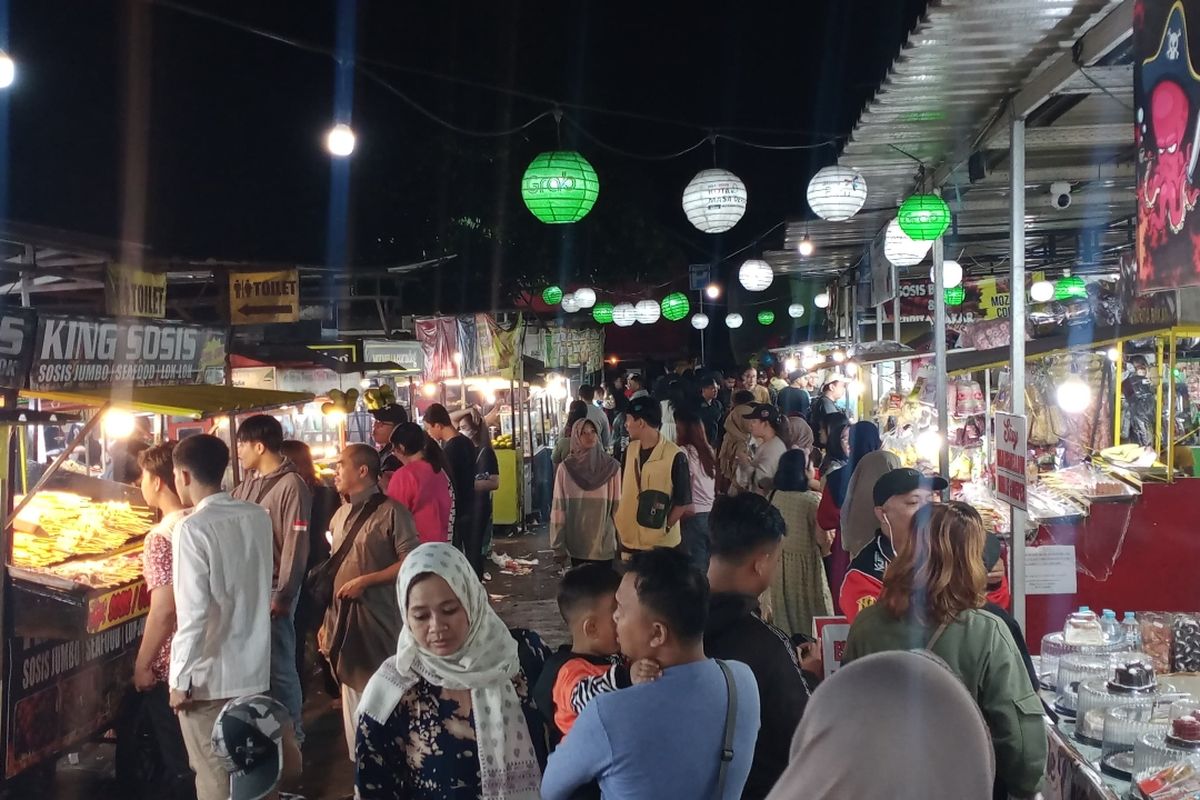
(1012,454)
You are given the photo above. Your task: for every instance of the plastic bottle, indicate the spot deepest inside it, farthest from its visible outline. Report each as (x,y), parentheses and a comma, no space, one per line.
(1110,626)
(1132,632)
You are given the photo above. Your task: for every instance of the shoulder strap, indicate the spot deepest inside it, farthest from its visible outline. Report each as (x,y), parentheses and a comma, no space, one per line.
(936,635)
(730,723)
(335,561)
(267,485)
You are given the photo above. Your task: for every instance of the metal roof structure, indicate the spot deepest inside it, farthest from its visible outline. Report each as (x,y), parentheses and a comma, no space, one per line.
(940,119)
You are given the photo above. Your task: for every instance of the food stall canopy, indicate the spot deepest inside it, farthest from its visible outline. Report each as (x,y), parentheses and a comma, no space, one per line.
(299,355)
(1090,339)
(196,401)
(25,416)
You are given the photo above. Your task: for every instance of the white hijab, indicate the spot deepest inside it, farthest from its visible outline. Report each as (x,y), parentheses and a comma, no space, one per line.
(485,665)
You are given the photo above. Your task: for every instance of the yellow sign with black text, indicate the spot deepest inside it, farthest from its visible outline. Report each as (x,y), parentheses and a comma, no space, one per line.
(260,298)
(130,292)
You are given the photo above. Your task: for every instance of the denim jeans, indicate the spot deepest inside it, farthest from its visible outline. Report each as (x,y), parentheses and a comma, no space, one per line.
(285,680)
(694,531)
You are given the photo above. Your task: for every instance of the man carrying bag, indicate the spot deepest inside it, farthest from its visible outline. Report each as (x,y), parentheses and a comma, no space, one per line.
(656,491)
(371,537)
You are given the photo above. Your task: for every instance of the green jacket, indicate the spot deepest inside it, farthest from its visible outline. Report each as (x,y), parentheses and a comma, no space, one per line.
(981,651)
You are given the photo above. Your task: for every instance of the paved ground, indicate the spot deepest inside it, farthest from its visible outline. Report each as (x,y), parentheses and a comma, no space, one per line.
(523,601)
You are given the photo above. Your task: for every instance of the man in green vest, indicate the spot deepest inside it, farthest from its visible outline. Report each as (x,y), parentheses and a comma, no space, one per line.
(656,491)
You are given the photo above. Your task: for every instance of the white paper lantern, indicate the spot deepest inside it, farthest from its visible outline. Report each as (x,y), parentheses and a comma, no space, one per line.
(952,274)
(900,249)
(821,300)
(585,297)
(570,303)
(837,193)
(714,200)
(647,312)
(700,321)
(624,315)
(755,274)
(733,320)
(1041,292)
(796,311)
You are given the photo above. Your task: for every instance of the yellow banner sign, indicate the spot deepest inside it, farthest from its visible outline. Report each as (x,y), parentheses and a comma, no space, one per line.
(130,292)
(112,608)
(259,298)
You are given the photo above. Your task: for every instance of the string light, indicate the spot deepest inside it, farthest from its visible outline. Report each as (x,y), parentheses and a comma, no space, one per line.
(1073,395)
(340,140)
(806,247)
(1041,292)
(712,291)
(821,300)
(952,274)
(8,70)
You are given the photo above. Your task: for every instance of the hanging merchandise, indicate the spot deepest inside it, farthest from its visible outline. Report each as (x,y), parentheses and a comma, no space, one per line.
(924,217)
(569,303)
(821,300)
(796,311)
(378,397)
(733,320)
(624,315)
(586,297)
(1070,287)
(560,186)
(755,275)
(714,200)
(837,193)
(340,403)
(675,306)
(952,274)
(954,296)
(901,249)
(766,317)
(552,295)
(700,321)
(647,311)
(602,313)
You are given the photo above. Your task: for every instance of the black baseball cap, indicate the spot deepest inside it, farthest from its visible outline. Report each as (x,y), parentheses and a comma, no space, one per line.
(393,414)
(903,481)
(765,412)
(646,409)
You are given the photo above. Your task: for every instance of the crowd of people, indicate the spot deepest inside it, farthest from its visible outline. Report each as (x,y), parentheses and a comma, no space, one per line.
(694,558)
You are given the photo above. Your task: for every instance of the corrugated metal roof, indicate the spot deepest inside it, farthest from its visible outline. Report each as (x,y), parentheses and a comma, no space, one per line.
(949,82)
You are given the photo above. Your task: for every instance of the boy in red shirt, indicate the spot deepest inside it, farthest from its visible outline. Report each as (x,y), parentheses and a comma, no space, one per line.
(592,663)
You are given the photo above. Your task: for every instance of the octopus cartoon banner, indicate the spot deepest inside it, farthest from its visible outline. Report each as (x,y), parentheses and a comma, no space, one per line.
(1167,97)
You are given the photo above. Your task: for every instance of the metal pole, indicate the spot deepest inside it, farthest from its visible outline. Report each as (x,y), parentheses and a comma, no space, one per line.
(1158,397)
(700,294)
(896,325)
(1118,369)
(1017,356)
(939,355)
(878,338)
(1171,394)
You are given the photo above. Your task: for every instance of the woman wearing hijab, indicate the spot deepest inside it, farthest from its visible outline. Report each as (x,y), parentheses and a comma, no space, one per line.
(906,752)
(450,714)
(736,444)
(858,522)
(933,596)
(835,477)
(799,590)
(575,412)
(587,488)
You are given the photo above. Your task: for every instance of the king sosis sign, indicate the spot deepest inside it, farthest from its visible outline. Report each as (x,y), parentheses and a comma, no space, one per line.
(79,353)
(18,330)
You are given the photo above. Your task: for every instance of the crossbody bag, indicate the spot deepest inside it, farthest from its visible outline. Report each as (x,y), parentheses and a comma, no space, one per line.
(318,583)
(730,724)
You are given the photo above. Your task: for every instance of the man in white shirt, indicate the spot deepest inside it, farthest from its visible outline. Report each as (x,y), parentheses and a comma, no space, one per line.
(223,560)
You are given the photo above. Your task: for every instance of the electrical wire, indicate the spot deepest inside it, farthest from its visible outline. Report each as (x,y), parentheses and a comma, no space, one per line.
(1083,71)
(359,62)
(639,156)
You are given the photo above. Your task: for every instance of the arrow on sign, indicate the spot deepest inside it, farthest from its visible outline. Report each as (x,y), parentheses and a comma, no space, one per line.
(253,310)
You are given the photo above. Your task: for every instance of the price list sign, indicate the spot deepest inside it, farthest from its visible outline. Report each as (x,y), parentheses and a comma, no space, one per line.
(1012,452)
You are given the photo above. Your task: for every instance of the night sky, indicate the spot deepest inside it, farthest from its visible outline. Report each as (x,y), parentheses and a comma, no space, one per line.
(234,165)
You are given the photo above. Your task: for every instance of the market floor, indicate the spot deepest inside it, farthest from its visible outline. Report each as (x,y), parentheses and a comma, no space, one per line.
(525,601)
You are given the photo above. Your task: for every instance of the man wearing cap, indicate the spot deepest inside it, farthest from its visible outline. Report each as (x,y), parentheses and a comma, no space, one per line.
(898,496)
(386,420)
(826,406)
(767,426)
(657,486)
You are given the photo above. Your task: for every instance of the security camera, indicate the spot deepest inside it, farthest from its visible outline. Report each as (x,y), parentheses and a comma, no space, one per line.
(1060,195)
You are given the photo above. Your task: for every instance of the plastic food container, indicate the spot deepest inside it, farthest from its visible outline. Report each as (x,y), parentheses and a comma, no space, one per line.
(1096,696)
(1076,668)
(1123,725)
(1054,648)
(1157,750)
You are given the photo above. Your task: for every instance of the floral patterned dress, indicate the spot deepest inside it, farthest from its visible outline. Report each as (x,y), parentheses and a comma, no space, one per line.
(426,750)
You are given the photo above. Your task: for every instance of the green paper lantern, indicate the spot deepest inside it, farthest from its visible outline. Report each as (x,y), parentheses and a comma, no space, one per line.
(675,306)
(954,295)
(766,317)
(1070,287)
(924,217)
(560,186)
(603,313)
(552,295)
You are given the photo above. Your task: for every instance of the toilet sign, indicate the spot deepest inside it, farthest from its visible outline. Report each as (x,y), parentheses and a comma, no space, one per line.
(257,298)
(1012,453)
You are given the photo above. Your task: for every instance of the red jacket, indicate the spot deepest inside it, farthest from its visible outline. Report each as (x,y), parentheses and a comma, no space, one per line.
(864,581)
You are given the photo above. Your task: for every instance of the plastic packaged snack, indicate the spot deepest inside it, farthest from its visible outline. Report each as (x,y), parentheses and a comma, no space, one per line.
(1156,639)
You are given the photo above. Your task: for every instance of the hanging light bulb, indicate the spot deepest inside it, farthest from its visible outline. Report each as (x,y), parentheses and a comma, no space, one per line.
(952,274)
(796,310)
(851,368)
(700,321)
(1041,292)
(586,297)
(821,300)
(340,140)
(1073,395)
(806,246)
(838,356)
(929,445)
(8,70)
(790,364)
(733,320)
(1114,354)
(809,361)
(712,291)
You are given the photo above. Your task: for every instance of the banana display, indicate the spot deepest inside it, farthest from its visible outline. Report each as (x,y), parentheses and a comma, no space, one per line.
(58,525)
(99,573)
